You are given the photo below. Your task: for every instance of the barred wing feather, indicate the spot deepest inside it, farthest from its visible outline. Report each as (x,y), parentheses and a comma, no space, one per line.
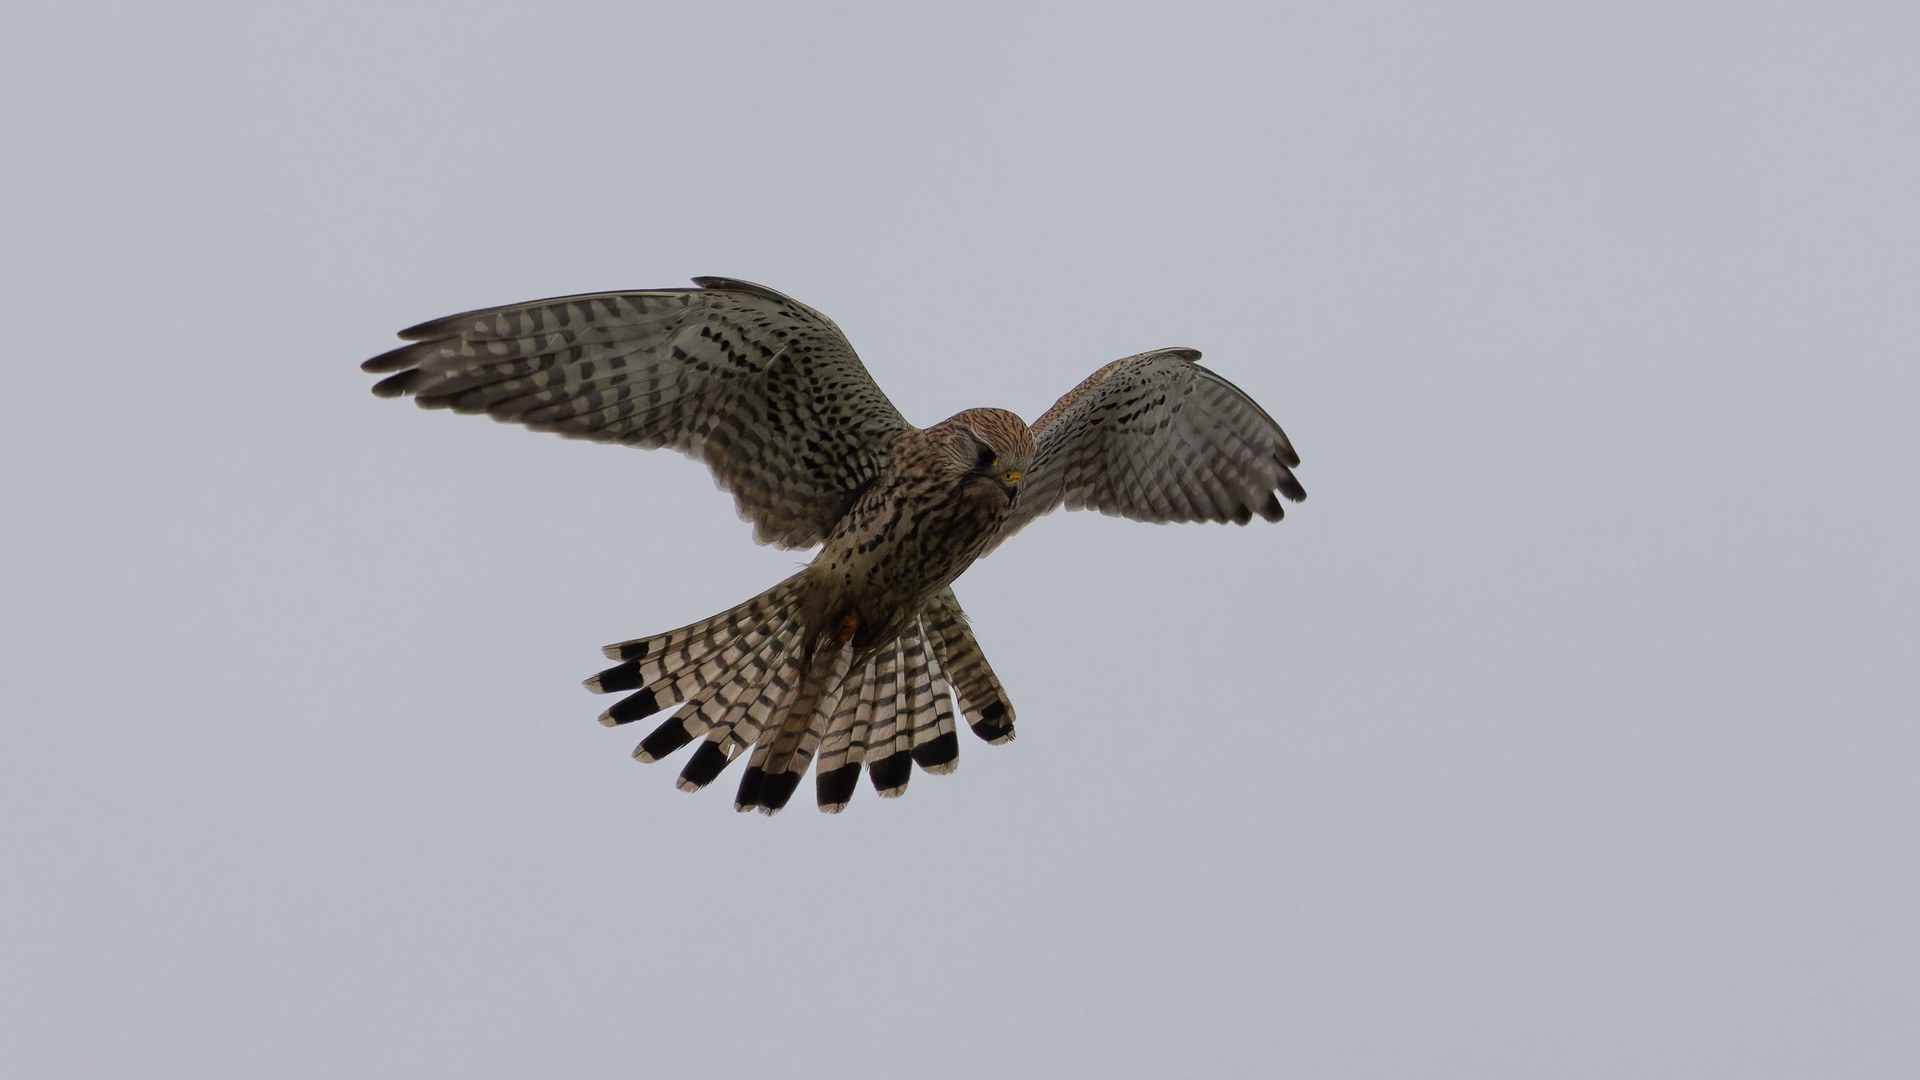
(763,389)
(1156,437)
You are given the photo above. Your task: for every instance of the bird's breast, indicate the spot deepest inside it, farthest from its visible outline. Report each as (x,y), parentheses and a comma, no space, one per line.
(905,540)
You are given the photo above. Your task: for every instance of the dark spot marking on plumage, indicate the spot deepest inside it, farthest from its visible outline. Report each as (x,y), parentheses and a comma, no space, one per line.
(1242,514)
(992,713)
(705,764)
(890,772)
(835,788)
(633,707)
(942,750)
(624,676)
(668,737)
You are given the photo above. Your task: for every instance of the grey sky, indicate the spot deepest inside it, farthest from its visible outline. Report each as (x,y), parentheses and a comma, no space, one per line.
(1568,728)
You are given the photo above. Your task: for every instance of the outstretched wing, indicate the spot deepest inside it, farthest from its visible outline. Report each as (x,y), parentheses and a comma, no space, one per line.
(761,387)
(1157,437)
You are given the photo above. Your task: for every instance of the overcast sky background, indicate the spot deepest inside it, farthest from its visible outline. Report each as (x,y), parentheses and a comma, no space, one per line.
(1568,729)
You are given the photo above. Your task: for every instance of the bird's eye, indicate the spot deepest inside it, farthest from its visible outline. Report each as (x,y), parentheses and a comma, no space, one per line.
(988,459)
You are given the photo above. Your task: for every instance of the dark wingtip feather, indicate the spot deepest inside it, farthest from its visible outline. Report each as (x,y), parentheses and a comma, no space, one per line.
(396,385)
(728,284)
(391,360)
(1291,488)
(664,740)
(618,677)
(703,766)
(440,327)
(834,789)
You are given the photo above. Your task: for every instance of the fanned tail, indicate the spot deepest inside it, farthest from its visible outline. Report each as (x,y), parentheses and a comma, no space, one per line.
(748,678)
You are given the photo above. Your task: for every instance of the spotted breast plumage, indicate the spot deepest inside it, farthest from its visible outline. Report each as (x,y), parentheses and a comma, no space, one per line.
(859,658)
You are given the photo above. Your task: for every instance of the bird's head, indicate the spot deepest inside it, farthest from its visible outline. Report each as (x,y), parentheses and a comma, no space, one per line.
(992,451)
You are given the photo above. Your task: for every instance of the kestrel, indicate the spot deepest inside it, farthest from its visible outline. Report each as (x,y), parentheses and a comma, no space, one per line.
(860,656)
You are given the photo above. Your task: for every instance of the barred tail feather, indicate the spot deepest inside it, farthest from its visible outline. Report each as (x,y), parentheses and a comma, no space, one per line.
(844,747)
(982,701)
(701,678)
(889,776)
(709,709)
(823,714)
(755,691)
(652,658)
(890,753)
(919,731)
(790,735)
(935,748)
(763,720)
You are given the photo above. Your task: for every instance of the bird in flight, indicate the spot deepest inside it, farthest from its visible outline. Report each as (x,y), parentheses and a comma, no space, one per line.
(860,657)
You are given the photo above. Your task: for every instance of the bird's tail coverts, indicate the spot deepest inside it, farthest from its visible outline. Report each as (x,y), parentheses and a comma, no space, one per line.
(743,679)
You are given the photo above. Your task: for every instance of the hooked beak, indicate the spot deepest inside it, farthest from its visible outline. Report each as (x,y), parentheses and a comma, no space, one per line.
(1011,481)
